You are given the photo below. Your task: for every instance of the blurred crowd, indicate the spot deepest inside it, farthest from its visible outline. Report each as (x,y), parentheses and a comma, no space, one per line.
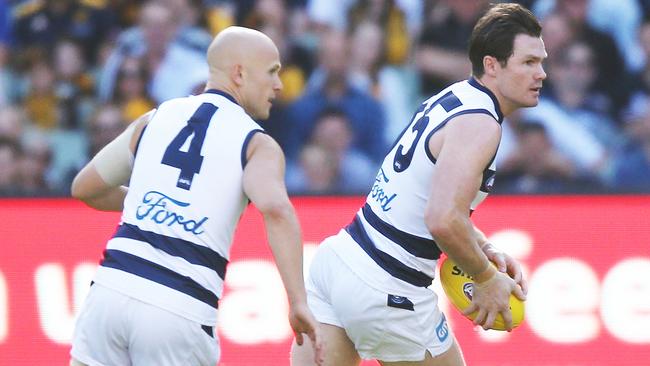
(74,73)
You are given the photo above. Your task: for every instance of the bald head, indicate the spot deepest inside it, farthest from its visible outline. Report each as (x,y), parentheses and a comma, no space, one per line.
(237,45)
(245,63)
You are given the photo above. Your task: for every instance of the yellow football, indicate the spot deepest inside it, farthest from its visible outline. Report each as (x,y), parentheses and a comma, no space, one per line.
(459,287)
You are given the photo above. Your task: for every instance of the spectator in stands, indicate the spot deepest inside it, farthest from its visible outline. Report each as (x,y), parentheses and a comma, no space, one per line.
(131,89)
(191,19)
(12,122)
(394,86)
(639,84)
(609,63)
(631,170)
(176,64)
(346,169)
(32,168)
(41,102)
(9,154)
(9,88)
(42,23)
(570,112)
(316,172)
(389,17)
(275,20)
(330,86)
(441,52)
(557,34)
(534,165)
(105,126)
(324,16)
(73,86)
(619,19)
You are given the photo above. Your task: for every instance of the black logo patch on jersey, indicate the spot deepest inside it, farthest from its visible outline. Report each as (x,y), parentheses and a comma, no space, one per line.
(400,302)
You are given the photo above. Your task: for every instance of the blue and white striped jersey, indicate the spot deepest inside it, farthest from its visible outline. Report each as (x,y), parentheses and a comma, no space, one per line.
(390,227)
(184,201)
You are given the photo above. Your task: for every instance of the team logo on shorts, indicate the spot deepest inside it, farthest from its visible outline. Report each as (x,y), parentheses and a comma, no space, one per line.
(400,302)
(468,290)
(442,329)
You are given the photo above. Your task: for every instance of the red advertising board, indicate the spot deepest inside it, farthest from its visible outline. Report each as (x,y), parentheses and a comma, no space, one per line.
(587,261)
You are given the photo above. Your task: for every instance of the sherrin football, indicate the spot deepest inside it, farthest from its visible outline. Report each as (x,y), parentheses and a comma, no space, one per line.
(459,287)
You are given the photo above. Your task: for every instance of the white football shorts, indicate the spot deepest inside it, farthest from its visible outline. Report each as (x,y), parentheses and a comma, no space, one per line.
(384,326)
(115,329)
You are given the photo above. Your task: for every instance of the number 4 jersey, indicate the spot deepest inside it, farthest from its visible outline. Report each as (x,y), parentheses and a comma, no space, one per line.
(184,201)
(390,229)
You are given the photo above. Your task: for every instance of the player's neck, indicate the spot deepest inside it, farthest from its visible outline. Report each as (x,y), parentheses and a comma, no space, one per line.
(224,88)
(490,84)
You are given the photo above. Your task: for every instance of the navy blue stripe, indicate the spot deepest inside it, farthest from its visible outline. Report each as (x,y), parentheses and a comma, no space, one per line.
(418,246)
(137,144)
(223,94)
(193,253)
(391,265)
(497,107)
(154,272)
(244,147)
(443,123)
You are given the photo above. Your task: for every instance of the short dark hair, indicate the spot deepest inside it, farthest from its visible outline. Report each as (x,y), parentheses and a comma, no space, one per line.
(494,34)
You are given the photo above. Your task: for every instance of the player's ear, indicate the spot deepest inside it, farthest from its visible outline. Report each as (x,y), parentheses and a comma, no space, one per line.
(237,74)
(490,65)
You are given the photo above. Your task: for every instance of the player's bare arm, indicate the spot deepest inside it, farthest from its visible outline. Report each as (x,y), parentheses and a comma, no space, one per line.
(504,262)
(464,148)
(264,185)
(100,183)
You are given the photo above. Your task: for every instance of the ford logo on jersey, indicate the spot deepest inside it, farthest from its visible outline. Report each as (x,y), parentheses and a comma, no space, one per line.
(159,208)
(378,193)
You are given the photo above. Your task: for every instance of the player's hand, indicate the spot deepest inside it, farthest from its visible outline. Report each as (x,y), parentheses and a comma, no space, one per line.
(302,321)
(491,298)
(506,264)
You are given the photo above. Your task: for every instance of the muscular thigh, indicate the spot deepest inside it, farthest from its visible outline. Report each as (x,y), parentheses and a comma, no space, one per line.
(339,350)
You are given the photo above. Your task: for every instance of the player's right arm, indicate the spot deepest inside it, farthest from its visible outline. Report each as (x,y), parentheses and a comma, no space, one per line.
(99,184)
(464,148)
(264,185)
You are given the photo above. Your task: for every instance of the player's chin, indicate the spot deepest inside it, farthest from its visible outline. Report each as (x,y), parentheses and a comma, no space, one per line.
(263,114)
(531,102)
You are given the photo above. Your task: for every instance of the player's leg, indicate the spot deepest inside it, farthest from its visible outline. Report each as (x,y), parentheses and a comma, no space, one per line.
(325,278)
(452,357)
(339,349)
(98,337)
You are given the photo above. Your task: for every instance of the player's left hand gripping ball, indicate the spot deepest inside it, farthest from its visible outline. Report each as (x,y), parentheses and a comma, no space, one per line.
(459,288)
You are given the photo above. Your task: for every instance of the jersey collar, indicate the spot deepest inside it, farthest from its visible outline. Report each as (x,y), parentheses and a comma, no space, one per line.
(473,82)
(223,94)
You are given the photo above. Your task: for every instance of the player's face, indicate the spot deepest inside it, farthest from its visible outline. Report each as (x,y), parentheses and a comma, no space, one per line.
(520,81)
(264,83)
